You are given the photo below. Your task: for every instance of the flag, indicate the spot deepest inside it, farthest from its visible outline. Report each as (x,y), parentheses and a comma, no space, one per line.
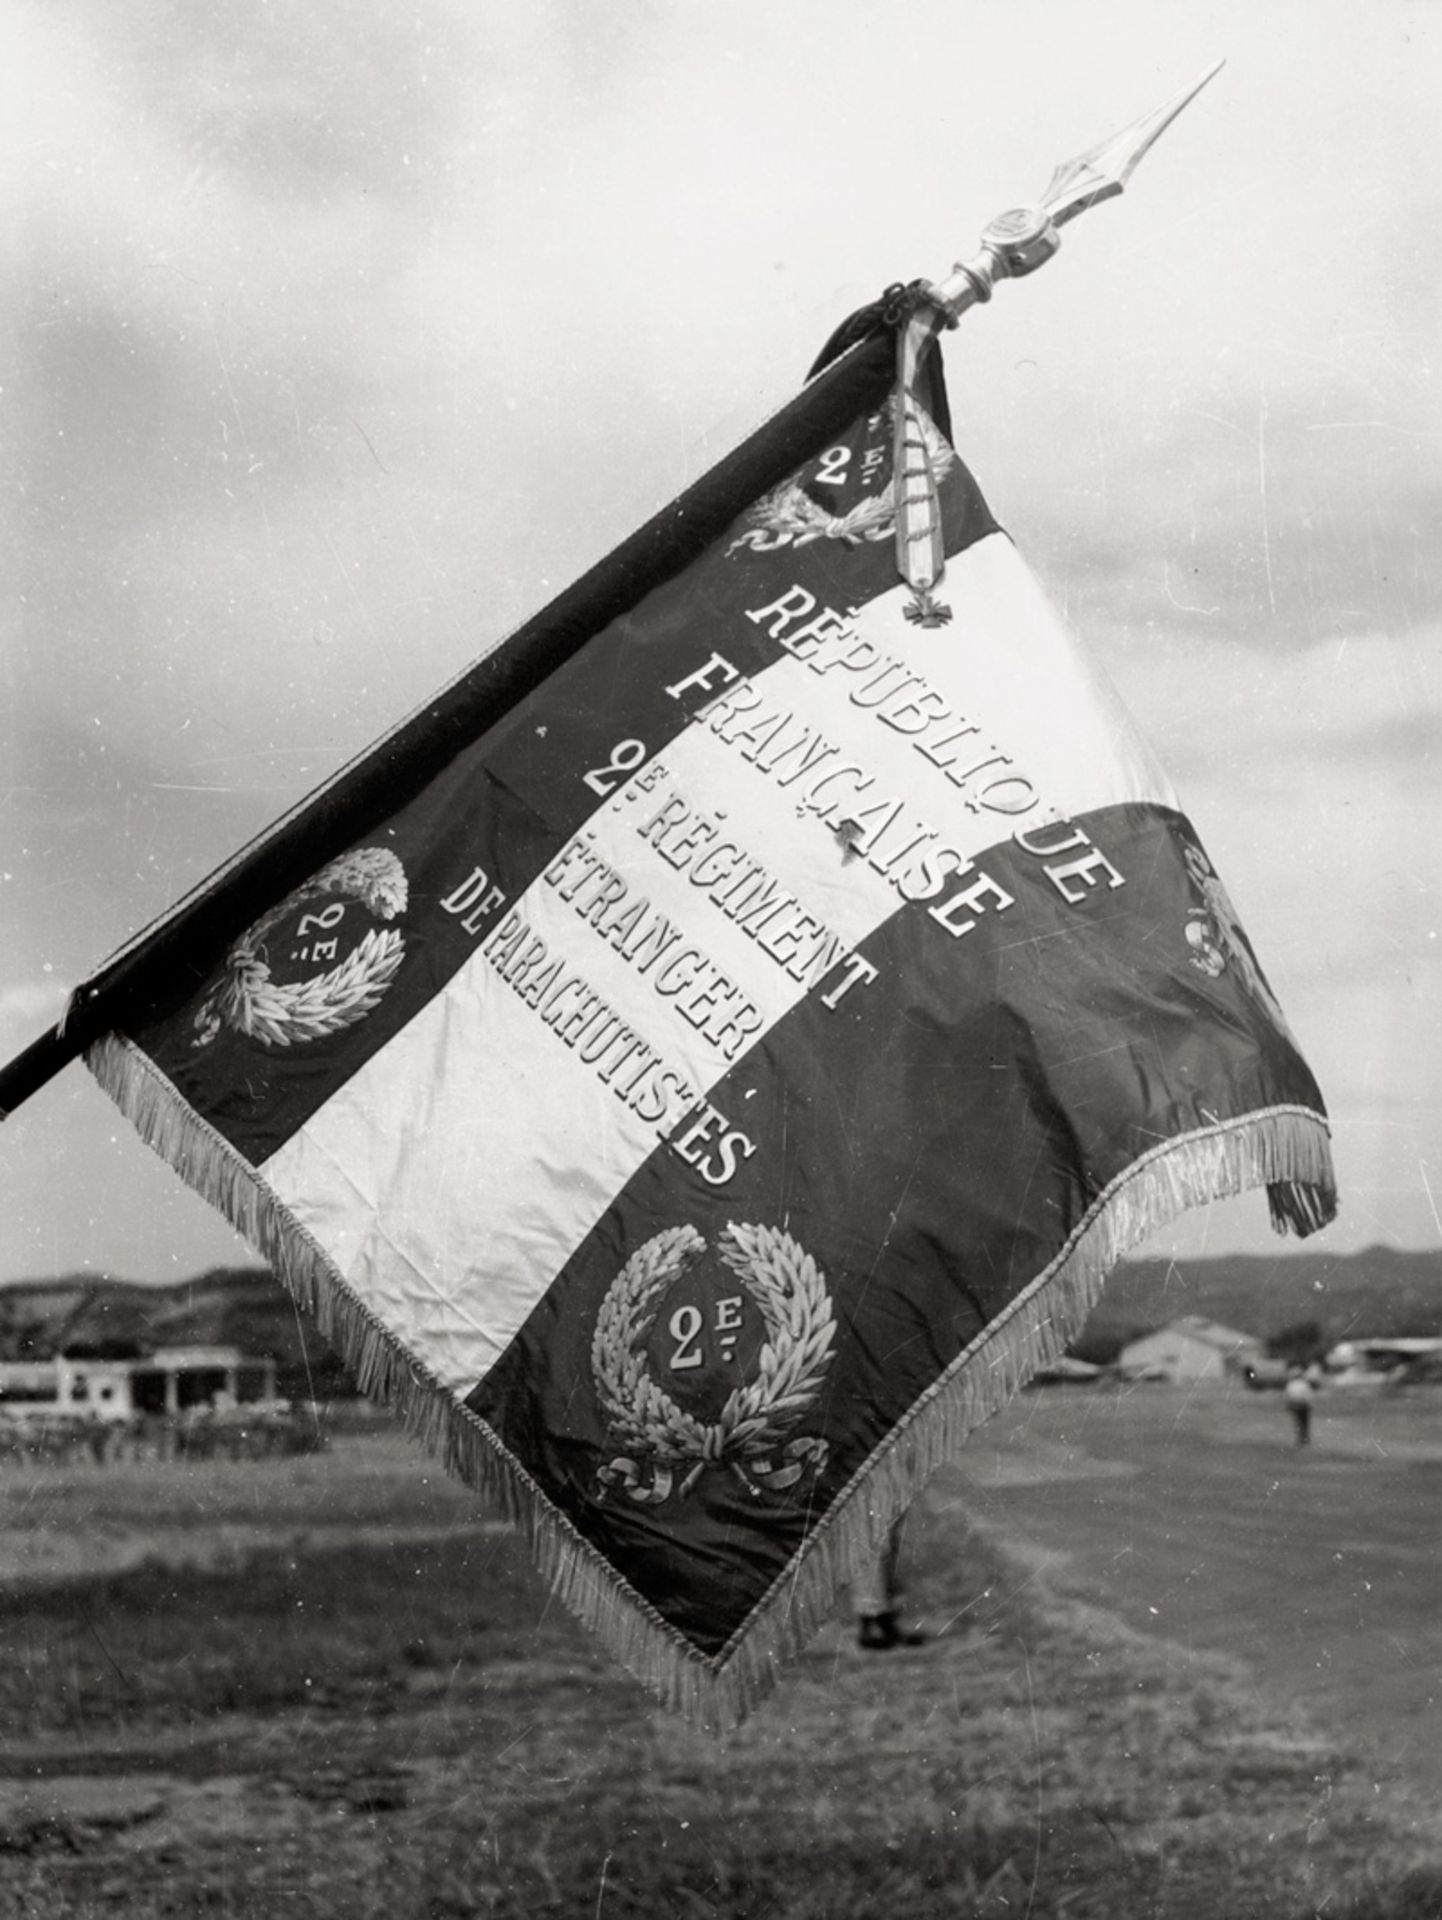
(699,1090)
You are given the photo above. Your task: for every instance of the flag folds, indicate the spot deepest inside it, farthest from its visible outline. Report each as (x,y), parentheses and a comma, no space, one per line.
(701,1094)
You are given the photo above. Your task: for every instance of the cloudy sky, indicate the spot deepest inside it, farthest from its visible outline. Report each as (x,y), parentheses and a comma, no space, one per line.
(339,334)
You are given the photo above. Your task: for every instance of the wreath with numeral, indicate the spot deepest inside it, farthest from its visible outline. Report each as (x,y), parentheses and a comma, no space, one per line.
(790,514)
(790,1292)
(281,1014)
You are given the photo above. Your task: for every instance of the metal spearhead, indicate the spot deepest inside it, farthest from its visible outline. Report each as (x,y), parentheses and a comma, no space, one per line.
(1105,170)
(1020,241)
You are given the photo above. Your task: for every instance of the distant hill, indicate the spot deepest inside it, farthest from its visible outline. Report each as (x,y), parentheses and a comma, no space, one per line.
(242,1307)
(1379,1293)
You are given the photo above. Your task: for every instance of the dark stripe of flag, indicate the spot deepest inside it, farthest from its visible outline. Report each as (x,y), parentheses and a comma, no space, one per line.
(932,1142)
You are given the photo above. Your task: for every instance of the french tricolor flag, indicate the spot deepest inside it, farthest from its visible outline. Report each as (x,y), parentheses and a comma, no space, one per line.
(702,1064)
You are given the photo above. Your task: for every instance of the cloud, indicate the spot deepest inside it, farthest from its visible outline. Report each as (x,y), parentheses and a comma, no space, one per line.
(1374,699)
(26,1006)
(340,341)
(1308,773)
(1286,504)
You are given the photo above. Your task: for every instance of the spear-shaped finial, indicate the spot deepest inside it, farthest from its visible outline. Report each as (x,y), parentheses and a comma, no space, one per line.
(1014,244)
(1024,239)
(1081,183)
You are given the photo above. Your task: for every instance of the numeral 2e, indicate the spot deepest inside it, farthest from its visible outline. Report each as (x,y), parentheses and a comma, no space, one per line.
(626,756)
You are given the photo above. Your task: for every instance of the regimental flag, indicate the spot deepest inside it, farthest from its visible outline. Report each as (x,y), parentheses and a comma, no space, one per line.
(705,1092)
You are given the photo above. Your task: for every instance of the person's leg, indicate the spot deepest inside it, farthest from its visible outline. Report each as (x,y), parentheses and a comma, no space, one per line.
(873,1588)
(876,1595)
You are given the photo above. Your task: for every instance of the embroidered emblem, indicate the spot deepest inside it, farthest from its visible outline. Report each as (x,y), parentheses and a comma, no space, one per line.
(310,927)
(774,1337)
(1217,940)
(789,517)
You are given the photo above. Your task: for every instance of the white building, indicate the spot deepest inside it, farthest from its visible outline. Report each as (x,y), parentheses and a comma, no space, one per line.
(168,1382)
(1373,1360)
(1189,1349)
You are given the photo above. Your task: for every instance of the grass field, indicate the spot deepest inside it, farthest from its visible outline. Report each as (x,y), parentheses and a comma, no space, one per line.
(1193,1516)
(335,1689)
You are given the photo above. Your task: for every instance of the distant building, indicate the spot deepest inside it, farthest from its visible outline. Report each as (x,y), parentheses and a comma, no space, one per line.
(1365,1360)
(170,1381)
(1189,1349)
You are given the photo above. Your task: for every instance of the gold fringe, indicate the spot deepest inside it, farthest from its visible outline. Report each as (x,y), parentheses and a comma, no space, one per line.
(1284,1148)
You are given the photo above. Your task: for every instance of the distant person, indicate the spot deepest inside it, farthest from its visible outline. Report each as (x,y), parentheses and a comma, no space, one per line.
(876,1597)
(1299,1393)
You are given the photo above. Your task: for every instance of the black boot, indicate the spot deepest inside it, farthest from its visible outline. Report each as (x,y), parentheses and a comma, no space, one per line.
(878,1632)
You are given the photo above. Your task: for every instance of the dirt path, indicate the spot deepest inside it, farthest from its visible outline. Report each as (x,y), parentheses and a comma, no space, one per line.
(1192,1516)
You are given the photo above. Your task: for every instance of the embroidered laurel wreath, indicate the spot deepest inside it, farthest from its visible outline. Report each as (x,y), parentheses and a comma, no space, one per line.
(788,516)
(277,1015)
(795,1308)
(1218,942)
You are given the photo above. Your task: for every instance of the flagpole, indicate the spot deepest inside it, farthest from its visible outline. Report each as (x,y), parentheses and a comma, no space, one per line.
(167,963)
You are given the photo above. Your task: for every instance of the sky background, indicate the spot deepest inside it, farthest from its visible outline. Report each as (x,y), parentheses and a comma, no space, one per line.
(340,336)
